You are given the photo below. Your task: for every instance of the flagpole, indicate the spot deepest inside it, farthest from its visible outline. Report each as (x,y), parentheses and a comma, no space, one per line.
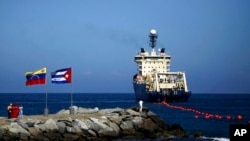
(72,110)
(46,110)
(71,96)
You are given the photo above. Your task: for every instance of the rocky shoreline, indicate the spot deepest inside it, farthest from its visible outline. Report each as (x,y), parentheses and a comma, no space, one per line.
(87,124)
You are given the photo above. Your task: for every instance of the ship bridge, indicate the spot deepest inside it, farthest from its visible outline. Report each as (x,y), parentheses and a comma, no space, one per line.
(148,62)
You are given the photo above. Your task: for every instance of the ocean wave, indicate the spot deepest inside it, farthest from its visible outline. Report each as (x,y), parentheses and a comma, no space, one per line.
(215,138)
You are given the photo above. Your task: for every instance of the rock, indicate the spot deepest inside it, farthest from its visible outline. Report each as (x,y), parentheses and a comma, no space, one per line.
(92,133)
(30,123)
(126,125)
(149,125)
(70,137)
(109,111)
(81,124)
(67,121)
(40,127)
(23,125)
(17,129)
(23,137)
(99,125)
(115,119)
(105,127)
(144,109)
(151,113)
(50,125)
(39,137)
(78,130)
(34,131)
(106,132)
(132,112)
(90,124)
(197,134)
(115,127)
(63,111)
(87,110)
(61,127)
(52,136)
(138,122)
(70,129)
(176,127)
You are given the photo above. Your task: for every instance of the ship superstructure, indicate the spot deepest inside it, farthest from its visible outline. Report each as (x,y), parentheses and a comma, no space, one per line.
(154,80)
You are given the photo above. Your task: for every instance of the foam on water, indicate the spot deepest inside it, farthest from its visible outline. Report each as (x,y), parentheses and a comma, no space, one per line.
(215,138)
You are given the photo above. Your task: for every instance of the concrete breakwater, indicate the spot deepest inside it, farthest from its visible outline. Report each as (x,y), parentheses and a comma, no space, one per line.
(89,124)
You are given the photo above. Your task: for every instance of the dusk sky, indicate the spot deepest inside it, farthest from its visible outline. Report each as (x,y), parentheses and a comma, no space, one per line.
(207,39)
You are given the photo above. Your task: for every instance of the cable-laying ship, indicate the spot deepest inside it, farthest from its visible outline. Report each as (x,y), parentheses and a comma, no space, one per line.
(154,81)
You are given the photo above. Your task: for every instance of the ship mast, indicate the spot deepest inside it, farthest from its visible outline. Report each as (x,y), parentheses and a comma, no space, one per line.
(153,37)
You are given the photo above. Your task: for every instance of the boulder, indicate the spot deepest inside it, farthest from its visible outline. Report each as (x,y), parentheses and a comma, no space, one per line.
(132,112)
(137,122)
(34,131)
(17,129)
(150,125)
(61,127)
(87,110)
(126,125)
(50,125)
(40,127)
(109,111)
(63,111)
(81,124)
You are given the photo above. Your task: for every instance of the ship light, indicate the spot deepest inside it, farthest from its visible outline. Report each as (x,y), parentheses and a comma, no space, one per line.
(153,31)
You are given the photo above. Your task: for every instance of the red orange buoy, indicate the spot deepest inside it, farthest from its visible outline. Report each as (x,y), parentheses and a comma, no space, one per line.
(228,117)
(239,117)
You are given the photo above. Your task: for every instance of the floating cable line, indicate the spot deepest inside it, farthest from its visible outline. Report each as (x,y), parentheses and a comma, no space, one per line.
(206,115)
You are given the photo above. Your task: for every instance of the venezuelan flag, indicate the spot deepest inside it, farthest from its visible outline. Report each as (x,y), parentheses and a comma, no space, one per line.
(36,77)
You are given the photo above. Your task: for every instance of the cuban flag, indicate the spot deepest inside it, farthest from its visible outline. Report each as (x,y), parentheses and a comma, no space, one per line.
(62,76)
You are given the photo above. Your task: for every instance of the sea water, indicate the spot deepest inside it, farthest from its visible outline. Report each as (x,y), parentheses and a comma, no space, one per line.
(211,128)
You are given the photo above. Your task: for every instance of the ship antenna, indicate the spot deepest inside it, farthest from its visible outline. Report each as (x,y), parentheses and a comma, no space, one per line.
(153,36)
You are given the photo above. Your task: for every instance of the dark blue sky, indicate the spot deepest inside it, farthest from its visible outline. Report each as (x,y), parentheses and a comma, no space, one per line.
(209,40)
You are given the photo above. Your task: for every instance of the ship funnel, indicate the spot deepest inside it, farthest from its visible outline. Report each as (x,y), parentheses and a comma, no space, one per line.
(142,50)
(162,50)
(153,36)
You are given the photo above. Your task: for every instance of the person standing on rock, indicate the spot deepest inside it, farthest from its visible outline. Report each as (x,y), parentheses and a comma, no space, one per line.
(20,112)
(141,105)
(9,108)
